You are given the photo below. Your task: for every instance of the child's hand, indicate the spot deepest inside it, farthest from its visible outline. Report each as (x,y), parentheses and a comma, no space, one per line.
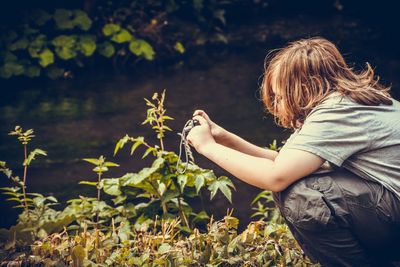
(200,136)
(217,131)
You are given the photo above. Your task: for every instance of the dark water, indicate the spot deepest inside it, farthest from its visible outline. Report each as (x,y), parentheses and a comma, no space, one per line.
(85,116)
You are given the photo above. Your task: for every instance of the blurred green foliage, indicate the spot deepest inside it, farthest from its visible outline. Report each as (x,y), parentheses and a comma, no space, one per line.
(57,42)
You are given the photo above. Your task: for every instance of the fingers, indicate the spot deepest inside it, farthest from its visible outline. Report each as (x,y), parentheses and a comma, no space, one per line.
(201,119)
(200,112)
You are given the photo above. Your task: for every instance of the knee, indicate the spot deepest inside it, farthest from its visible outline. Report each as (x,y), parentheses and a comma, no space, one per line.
(303,205)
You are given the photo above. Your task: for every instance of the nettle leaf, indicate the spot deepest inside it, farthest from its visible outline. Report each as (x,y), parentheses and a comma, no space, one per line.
(32,156)
(161,188)
(122,37)
(37,45)
(65,46)
(111,186)
(147,152)
(182,180)
(224,185)
(136,178)
(110,164)
(169,195)
(100,169)
(138,141)
(46,57)
(199,182)
(142,48)
(88,183)
(87,45)
(106,49)
(120,144)
(93,161)
(82,20)
(179,47)
(111,29)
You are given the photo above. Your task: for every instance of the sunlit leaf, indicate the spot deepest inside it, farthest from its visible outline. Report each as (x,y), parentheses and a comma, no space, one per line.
(142,48)
(122,37)
(88,183)
(111,186)
(199,182)
(111,29)
(87,44)
(46,57)
(179,47)
(224,185)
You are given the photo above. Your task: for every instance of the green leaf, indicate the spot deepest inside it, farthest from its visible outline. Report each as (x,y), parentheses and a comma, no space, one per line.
(87,45)
(78,255)
(13,69)
(46,57)
(148,150)
(65,46)
(82,20)
(131,179)
(162,188)
(223,184)
(139,141)
(36,45)
(88,183)
(164,248)
(111,186)
(110,164)
(120,144)
(182,180)
(93,161)
(199,182)
(106,49)
(111,29)
(19,44)
(100,169)
(33,155)
(179,47)
(141,48)
(122,37)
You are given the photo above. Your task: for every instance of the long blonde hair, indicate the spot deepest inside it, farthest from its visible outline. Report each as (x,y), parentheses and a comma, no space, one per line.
(301,75)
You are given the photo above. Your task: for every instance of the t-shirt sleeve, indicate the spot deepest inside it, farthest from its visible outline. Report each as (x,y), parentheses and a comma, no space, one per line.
(333,133)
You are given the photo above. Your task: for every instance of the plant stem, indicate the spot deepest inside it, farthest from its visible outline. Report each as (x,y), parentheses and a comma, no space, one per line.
(24,182)
(164,207)
(160,127)
(182,213)
(98,198)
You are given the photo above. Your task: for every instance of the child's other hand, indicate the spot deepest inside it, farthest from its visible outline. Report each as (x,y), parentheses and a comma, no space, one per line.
(217,131)
(200,136)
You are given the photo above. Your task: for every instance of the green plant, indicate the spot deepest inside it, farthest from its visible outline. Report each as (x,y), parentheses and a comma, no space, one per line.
(161,184)
(260,244)
(37,218)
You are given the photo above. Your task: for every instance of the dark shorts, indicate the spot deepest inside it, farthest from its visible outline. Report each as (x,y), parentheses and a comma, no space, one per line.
(340,219)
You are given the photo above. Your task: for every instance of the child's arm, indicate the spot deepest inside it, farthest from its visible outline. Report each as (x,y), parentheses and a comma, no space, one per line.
(235,142)
(289,166)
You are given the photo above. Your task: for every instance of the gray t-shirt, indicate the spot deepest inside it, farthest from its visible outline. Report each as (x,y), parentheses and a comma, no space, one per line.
(363,139)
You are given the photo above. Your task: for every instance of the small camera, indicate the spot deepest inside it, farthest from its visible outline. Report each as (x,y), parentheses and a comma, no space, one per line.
(190,125)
